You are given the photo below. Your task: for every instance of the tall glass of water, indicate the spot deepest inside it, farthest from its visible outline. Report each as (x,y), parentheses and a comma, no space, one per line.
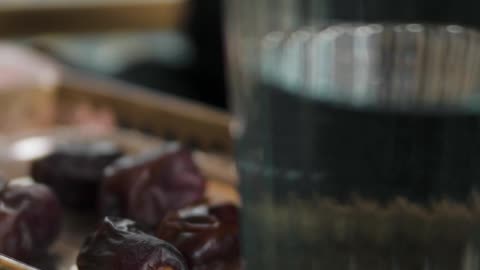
(357,125)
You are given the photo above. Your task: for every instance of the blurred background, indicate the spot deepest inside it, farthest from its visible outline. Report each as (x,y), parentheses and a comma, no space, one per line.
(155,67)
(137,74)
(170,46)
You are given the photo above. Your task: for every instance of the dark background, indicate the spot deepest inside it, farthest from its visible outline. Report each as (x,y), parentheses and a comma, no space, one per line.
(204,81)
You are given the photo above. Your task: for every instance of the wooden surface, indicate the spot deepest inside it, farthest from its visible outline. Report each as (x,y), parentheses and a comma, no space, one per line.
(10,264)
(31,17)
(151,112)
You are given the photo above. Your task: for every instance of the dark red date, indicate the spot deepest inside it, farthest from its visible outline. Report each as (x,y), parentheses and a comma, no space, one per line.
(146,187)
(119,245)
(30,219)
(207,237)
(75,171)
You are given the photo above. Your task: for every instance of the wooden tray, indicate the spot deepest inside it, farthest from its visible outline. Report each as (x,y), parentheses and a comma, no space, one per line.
(45,95)
(138,108)
(30,17)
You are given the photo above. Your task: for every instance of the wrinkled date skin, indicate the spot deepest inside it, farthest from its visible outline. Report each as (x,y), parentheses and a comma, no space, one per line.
(119,245)
(145,188)
(30,219)
(75,171)
(207,237)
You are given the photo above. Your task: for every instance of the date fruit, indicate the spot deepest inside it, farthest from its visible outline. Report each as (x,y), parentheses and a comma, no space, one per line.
(208,237)
(119,245)
(75,171)
(146,187)
(30,218)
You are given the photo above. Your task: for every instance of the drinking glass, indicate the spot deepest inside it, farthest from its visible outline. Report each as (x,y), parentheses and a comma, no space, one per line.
(357,125)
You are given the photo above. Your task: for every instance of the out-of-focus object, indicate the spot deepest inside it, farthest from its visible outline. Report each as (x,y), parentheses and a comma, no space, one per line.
(11,264)
(30,218)
(27,85)
(138,108)
(111,53)
(75,171)
(29,17)
(37,93)
(358,133)
(17,151)
(177,61)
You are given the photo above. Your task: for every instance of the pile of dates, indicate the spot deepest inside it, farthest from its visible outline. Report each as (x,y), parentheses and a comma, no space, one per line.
(30,218)
(142,188)
(200,238)
(151,193)
(152,210)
